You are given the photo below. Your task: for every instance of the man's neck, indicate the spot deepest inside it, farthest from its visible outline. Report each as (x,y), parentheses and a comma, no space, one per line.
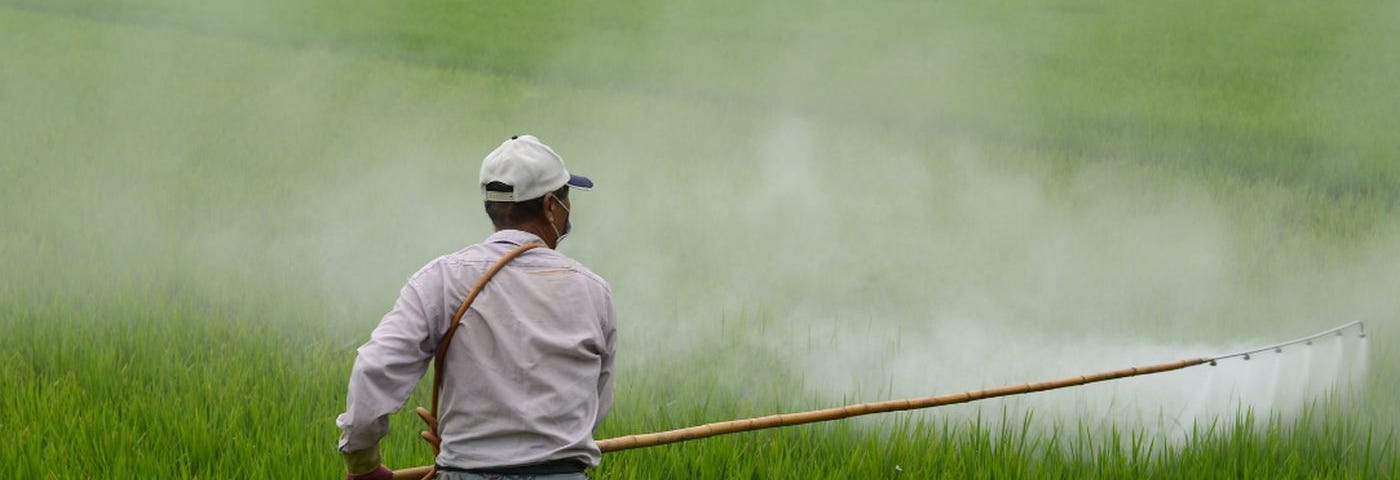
(538,229)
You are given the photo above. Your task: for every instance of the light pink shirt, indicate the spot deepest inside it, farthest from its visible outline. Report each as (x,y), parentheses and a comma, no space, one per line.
(530,370)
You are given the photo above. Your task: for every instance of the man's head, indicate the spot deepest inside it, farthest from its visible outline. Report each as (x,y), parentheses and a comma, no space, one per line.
(525,187)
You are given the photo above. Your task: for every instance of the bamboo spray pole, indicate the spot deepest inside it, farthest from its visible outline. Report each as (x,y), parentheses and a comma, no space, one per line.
(838,413)
(787,419)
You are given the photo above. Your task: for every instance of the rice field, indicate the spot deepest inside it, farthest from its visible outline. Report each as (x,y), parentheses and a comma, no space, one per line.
(207,206)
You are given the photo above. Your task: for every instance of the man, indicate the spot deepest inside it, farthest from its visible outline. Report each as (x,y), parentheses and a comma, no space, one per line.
(528,374)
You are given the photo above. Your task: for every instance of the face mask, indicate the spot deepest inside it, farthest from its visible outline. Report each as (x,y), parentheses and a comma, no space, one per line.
(568,223)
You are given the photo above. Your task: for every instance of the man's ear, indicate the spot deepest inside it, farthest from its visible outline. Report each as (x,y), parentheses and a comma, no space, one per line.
(550,203)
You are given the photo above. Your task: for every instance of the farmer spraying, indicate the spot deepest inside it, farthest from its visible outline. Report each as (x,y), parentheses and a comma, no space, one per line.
(523,339)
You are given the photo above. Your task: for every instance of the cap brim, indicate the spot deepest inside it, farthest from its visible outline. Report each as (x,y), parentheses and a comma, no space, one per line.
(580,182)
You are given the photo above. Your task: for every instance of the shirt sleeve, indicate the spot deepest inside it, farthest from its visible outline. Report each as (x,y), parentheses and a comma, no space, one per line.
(605,377)
(387,368)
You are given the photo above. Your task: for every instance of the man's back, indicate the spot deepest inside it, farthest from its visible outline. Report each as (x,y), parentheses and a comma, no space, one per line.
(528,374)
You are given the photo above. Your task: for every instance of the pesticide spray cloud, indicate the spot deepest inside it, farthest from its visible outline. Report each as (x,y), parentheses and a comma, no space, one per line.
(978,276)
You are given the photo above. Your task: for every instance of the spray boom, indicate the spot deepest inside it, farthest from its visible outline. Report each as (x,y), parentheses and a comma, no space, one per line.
(1339,330)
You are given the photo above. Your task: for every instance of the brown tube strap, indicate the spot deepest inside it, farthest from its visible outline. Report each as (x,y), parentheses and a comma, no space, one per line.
(439,360)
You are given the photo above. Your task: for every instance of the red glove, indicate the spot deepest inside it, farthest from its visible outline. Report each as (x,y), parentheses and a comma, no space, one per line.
(381,473)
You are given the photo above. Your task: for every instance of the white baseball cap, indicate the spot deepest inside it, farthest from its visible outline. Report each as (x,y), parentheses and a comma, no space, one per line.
(531,168)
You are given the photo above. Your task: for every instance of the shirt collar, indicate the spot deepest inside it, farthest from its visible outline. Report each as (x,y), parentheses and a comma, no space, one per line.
(514,237)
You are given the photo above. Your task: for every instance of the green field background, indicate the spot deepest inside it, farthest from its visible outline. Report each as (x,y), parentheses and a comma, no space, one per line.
(207,205)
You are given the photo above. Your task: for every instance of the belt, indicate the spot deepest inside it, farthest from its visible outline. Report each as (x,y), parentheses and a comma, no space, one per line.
(571,465)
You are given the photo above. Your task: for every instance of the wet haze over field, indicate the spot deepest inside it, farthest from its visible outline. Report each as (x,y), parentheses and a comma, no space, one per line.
(820,204)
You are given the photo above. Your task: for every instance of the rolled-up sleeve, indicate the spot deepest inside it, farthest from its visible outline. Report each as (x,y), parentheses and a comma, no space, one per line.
(387,368)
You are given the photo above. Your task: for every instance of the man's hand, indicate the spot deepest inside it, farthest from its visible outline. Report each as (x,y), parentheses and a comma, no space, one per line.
(366,464)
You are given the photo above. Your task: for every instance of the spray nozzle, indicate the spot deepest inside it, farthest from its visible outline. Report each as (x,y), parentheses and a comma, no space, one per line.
(1278,349)
(1308,343)
(1212,363)
(1246,356)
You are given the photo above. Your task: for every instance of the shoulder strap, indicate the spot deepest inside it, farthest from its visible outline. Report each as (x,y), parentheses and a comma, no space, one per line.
(439,360)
